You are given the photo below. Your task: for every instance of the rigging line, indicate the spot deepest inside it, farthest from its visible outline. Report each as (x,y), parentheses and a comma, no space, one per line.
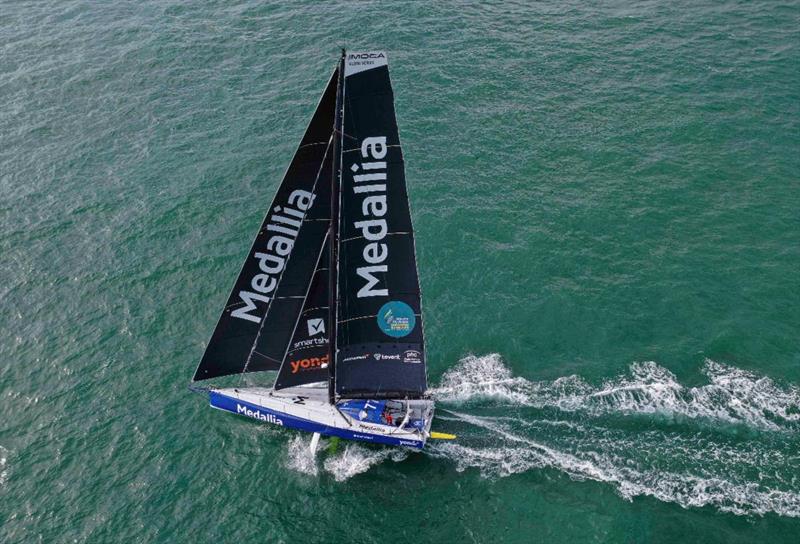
(299,315)
(288,258)
(343,133)
(336,220)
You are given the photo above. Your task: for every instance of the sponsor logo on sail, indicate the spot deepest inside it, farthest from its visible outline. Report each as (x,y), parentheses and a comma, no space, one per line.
(310,363)
(356,358)
(365,56)
(256,414)
(369,183)
(412,356)
(367,60)
(316,326)
(284,225)
(310,342)
(384,357)
(396,319)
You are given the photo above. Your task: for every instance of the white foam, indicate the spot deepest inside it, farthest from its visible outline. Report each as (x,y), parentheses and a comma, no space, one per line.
(732,474)
(351,459)
(706,474)
(356,459)
(299,457)
(3,465)
(732,395)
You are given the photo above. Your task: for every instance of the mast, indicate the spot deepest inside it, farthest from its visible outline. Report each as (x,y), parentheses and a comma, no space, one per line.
(333,235)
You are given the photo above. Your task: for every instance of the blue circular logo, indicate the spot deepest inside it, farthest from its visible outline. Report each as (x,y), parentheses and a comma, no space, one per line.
(396,319)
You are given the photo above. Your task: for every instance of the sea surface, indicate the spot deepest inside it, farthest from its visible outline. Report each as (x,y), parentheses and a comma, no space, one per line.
(607,207)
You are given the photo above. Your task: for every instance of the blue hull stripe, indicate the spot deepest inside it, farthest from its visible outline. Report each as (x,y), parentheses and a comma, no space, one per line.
(236,406)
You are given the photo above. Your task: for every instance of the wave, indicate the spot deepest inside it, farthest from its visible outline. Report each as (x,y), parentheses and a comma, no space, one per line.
(3,465)
(543,425)
(732,395)
(350,459)
(690,471)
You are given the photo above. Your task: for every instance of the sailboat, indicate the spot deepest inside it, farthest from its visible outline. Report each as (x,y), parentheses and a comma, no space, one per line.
(328,295)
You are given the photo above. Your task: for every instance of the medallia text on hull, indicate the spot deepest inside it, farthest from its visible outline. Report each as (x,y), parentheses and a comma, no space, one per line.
(328,295)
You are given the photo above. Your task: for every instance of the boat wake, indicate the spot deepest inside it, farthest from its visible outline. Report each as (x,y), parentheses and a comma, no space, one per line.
(731,396)
(3,467)
(730,444)
(350,459)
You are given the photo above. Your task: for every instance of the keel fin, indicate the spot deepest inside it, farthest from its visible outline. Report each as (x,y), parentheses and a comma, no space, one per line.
(442,436)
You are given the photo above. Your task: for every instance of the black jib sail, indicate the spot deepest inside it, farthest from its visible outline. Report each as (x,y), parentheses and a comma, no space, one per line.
(256,325)
(308,355)
(379,337)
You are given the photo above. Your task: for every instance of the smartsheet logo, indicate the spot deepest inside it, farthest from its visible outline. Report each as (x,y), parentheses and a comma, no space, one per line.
(316,326)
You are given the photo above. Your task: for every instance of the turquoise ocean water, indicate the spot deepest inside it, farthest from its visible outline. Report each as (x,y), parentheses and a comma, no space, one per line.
(607,206)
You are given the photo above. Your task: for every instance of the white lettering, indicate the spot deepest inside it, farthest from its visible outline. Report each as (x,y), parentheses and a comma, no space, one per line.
(366,273)
(244,312)
(371,145)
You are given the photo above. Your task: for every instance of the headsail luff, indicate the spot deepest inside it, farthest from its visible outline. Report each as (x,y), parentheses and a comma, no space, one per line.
(233,347)
(379,335)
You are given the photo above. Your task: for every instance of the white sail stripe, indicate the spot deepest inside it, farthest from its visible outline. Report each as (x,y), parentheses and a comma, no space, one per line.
(266,356)
(312,143)
(365,317)
(317,308)
(359,149)
(387,234)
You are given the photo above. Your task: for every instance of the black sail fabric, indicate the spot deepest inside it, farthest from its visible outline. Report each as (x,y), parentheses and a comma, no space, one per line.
(379,342)
(277,271)
(307,358)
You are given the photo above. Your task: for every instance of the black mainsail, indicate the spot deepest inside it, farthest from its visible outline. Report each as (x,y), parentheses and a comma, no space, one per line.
(256,325)
(379,347)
